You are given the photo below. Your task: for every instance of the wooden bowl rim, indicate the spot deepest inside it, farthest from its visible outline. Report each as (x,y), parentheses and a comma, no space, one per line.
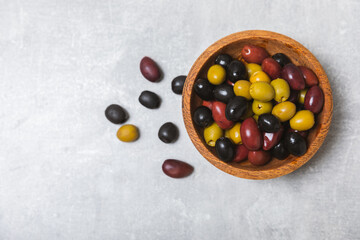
(263,173)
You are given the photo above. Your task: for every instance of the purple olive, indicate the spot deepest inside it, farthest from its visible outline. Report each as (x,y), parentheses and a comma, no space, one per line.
(293,76)
(176,168)
(150,70)
(314,99)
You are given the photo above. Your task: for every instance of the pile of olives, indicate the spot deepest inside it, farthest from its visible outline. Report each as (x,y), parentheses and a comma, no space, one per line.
(257,107)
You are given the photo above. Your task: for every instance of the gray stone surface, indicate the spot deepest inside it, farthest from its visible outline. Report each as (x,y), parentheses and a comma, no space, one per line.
(64,174)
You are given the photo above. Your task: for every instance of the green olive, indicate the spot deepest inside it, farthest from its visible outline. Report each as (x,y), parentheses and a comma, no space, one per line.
(282,89)
(259,76)
(216,74)
(252,68)
(128,133)
(212,133)
(284,111)
(302,121)
(234,133)
(262,91)
(302,95)
(259,107)
(242,88)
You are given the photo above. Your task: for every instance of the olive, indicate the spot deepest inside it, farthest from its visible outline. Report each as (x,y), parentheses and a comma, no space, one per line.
(176,168)
(268,123)
(260,76)
(203,116)
(168,132)
(128,133)
(302,96)
(294,96)
(236,108)
(281,58)
(302,121)
(255,117)
(304,134)
(250,134)
(282,89)
(279,151)
(309,76)
(116,114)
(149,99)
(249,112)
(314,99)
(216,74)
(252,68)
(262,91)
(271,139)
(218,112)
(204,89)
(254,54)
(177,84)
(259,158)
(259,107)
(284,111)
(225,149)
(150,70)
(223,92)
(295,144)
(293,76)
(234,133)
(236,71)
(241,153)
(223,60)
(242,88)
(212,133)
(271,67)
(207,104)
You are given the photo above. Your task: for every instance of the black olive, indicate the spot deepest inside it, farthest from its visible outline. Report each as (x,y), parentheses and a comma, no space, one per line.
(236,107)
(281,58)
(149,99)
(116,114)
(203,116)
(177,84)
(279,151)
(168,132)
(224,92)
(269,123)
(295,143)
(204,89)
(236,71)
(223,60)
(225,149)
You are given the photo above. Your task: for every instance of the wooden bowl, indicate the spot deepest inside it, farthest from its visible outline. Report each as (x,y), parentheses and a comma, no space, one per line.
(273,43)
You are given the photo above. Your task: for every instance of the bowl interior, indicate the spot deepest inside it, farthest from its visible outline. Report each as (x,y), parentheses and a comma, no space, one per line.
(273,43)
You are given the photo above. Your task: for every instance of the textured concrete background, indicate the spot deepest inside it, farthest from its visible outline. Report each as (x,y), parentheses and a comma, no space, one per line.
(64,174)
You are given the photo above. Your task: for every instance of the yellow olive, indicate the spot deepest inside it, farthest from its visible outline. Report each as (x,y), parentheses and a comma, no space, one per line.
(262,91)
(249,112)
(256,117)
(212,133)
(282,89)
(241,88)
(302,95)
(216,74)
(302,121)
(259,76)
(128,133)
(284,110)
(234,133)
(259,107)
(252,68)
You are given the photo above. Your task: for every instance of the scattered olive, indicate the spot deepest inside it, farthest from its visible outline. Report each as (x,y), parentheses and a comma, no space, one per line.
(150,69)
(149,99)
(128,133)
(168,132)
(116,114)
(177,84)
(176,168)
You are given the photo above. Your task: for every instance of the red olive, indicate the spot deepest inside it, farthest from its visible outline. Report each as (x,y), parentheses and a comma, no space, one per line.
(250,134)
(230,83)
(271,67)
(149,69)
(271,139)
(176,168)
(254,54)
(293,76)
(314,99)
(309,76)
(207,104)
(259,158)
(241,153)
(218,112)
